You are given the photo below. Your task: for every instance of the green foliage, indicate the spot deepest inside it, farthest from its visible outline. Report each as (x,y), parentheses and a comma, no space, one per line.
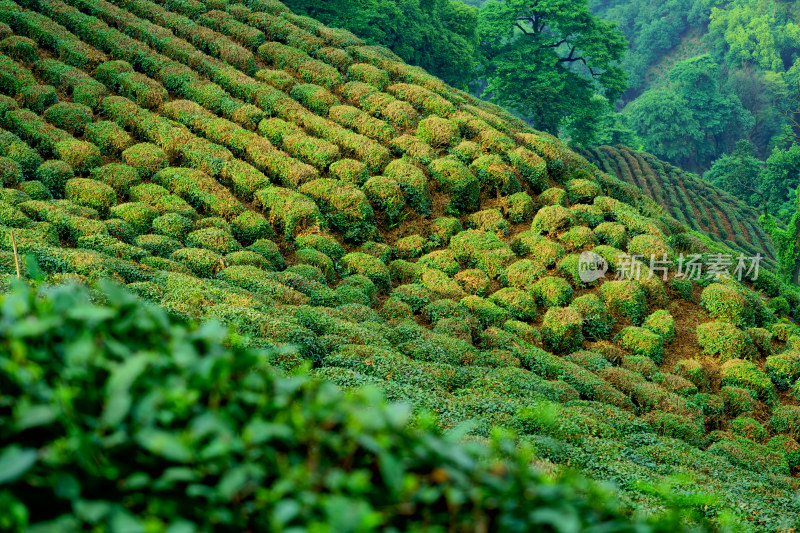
(625,299)
(551,291)
(69,116)
(597,321)
(641,341)
(91,193)
(548,43)
(146,158)
(562,329)
(662,323)
(745,374)
(455,179)
(55,174)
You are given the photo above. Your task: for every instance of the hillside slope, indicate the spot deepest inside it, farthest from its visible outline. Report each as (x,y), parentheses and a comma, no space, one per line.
(690,199)
(236,161)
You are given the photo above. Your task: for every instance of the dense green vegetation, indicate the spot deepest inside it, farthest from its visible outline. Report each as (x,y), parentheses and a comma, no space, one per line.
(367,225)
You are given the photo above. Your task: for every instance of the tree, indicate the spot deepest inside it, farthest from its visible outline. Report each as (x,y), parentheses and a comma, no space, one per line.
(780,179)
(738,173)
(437,35)
(546,58)
(787,241)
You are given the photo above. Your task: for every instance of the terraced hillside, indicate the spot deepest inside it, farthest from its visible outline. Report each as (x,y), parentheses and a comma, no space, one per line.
(235,161)
(693,201)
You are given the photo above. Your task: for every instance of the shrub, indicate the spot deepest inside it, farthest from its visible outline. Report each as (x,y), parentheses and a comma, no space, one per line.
(410,247)
(520,304)
(490,220)
(487,312)
(117,176)
(473,281)
(350,171)
(367,73)
(726,303)
(724,339)
(661,323)
(55,174)
(749,428)
(214,239)
(159,245)
(436,131)
(787,446)
(455,179)
(467,151)
(532,167)
(269,251)
(625,299)
(413,148)
(10,172)
(611,233)
(552,196)
(317,152)
(577,238)
(552,218)
(675,426)
(322,243)
(317,259)
(69,116)
(345,207)
(780,305)
(108,136)
(316,98)
(374,269)
(540,248)
(37,98)
(693,371)
(744,374)
(519,207)
(493,173)
(413,183)
(523,274)
(762,340)
(562,330)
(146,92)
(551,291)
(146,158)
(783,369)
(684,288)
(443,229)
(90,193)
(138,214)
(290,211)
(640,341)
(582,190)
(746,454)
(737,400)
(381,251)
(786,420)
(202,262)
(387,195)
(35,190)
(20,48)
(81,156)
(597,321)
(249,227)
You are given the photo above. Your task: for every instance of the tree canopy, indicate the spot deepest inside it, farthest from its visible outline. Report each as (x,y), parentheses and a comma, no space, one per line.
(547,58)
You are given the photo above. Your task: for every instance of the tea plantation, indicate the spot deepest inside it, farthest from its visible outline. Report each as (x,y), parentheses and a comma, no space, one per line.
(355,222)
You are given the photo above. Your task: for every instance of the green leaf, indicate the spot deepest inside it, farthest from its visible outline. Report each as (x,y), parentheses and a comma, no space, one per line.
(164,444)
(14,462)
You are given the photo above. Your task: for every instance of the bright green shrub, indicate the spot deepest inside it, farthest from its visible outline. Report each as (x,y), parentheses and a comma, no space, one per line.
(108,136)
(413,183)
(726,303)
(55,174)
(202,262)
(69,116)
(350,171)
(138,214)
(532,167)
(322,243)
(455,179)
(749,455)
(749,428)
(403,272)
(611,233)
(213,239)
(247,258)
(744,374)
(467,151)
(762,340)
(553,196)
(443,229)
(523,274)
(366,265)
(577,238)
(473,281)
(437,132)
(387,195)
(675,426)
(786,420)
(413,148)
(597,321)
(552,218)
(146,92)
(490,220)
(641,341)
(493,173)
(317,259)
(20,48)
(316,98)
(562,330)
(345,207)
(410,247)
(290,211)
(269,251)
(551,291)
(146,158)
(786,446)
(10,172)
(724,339)
(737,400)
(783,369)
(692,370)
(37,98)
(582,190)
(538,248)
(625,299)
(684,288)
(159,245)
(81,156)
(661,323)
(369,74)
(520,304)
(379,250)
(117,176)
(249,227)
(487,312)
(519,207)
(90,193)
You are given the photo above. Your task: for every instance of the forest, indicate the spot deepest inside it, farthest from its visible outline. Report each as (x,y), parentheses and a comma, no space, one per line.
(363,266)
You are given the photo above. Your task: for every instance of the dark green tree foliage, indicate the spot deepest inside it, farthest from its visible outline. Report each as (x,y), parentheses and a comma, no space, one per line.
(693,120)
(545,59)
(780,179)
(123,418)
(739,174)
(437,35)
